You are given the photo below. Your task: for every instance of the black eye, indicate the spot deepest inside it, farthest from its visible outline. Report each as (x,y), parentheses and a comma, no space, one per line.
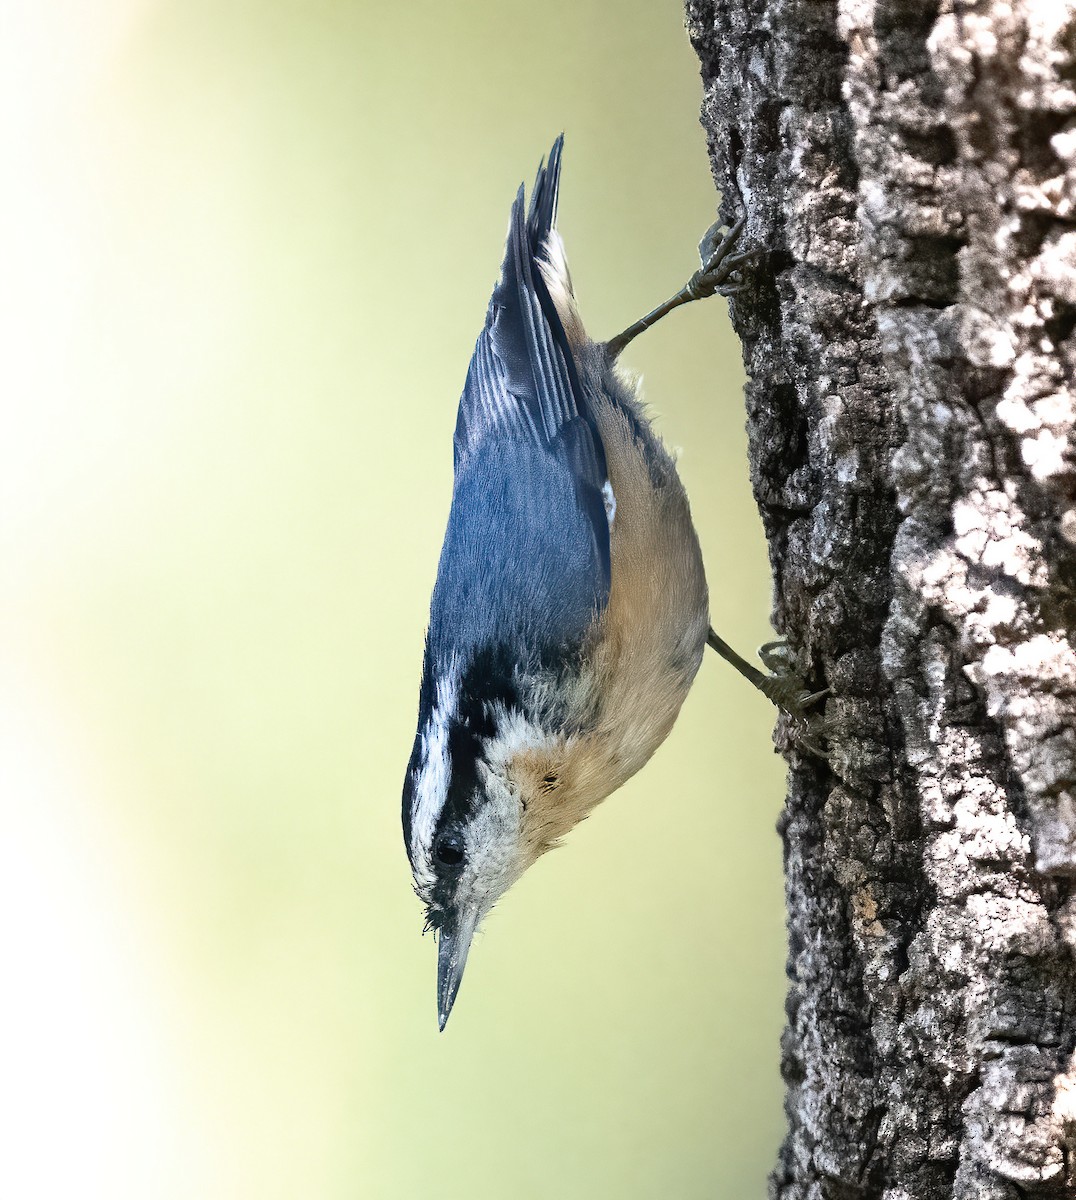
(449,849)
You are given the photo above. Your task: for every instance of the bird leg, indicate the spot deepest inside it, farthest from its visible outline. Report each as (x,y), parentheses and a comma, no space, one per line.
(784,687)
(718,275)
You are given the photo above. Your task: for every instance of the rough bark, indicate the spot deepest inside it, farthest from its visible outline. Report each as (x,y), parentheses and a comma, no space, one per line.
(909,335)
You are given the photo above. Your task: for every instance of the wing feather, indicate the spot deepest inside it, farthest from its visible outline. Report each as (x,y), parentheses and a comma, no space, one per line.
(527,549)
(523,379)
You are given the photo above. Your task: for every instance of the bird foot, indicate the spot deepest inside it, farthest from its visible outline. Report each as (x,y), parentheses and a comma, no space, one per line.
(719,273)
(786,689)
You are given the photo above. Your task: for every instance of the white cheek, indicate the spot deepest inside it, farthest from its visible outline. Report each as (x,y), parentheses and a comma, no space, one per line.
(494,852)
(493,845)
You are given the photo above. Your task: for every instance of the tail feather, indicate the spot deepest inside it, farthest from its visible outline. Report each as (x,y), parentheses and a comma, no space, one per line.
(548,249)
(523,375)
(542,215)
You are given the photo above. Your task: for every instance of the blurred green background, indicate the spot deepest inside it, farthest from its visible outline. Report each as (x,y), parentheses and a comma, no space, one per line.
(248,247)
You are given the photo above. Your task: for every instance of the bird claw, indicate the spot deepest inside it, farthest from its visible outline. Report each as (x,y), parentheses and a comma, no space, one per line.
(719,273)
(786,689)
(717,242)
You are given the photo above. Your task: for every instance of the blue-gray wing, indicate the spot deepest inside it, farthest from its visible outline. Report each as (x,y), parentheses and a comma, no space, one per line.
(521,573)
(525,428)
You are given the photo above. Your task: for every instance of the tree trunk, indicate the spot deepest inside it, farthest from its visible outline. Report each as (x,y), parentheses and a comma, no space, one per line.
(909,171)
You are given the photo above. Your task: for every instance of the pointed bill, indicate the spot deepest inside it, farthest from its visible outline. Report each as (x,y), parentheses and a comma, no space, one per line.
(454,940)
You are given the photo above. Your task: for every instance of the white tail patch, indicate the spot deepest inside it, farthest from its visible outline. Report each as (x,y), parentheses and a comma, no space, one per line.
(610,502)
(554,267)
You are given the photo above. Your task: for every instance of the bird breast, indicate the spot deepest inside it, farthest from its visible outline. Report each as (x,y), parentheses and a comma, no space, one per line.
(648,642)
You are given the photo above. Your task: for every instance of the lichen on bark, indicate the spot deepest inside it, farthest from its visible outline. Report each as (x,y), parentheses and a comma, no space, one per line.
(910,341)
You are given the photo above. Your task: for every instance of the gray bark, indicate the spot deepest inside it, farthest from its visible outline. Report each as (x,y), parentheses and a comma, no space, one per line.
(909,335)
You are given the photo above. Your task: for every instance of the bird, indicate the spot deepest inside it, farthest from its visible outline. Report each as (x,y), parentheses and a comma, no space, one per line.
(570,610)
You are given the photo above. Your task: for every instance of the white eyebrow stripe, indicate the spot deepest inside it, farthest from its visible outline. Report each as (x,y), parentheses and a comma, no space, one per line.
(432,777)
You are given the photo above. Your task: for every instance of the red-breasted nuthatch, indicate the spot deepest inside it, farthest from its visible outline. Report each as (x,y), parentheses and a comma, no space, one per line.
(570,610)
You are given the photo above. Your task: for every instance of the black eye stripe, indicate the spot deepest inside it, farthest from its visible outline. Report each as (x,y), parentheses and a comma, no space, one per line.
(448,849)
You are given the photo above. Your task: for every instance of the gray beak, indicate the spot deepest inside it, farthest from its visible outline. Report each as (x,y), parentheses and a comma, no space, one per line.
(453,942)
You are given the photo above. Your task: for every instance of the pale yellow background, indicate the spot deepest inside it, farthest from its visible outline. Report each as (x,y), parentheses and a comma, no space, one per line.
(247,248)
